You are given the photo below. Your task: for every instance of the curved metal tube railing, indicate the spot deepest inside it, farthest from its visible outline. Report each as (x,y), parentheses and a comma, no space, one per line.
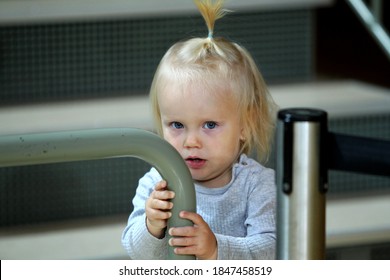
(65,146)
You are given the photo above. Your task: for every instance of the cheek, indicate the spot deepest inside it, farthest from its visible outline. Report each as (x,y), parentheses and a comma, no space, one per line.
(171,139)
(233,145)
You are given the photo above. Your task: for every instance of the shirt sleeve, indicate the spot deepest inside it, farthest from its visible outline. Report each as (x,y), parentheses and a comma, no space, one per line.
(136,239)
(260,240)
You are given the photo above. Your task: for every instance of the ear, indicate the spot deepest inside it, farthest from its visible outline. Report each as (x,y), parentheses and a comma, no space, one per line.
(242,135)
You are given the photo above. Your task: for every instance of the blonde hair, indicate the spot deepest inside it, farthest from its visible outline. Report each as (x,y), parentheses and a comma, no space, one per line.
(219,62)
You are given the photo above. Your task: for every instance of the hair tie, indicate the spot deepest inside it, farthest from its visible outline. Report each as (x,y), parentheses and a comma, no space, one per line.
(210,35)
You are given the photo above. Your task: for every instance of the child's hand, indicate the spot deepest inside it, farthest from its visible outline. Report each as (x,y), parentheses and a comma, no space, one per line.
(196,240)
(157,209)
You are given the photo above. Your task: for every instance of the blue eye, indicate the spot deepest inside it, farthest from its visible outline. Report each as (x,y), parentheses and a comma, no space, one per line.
(177,125)
(210,125)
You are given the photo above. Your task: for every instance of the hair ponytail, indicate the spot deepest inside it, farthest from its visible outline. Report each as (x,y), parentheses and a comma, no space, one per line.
(211,11)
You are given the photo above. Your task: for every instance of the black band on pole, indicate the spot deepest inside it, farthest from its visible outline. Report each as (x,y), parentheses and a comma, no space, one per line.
(291,116)
(358,154)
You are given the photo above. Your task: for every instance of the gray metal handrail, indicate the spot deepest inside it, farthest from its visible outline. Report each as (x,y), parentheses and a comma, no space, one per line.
(372,19)
(66,146)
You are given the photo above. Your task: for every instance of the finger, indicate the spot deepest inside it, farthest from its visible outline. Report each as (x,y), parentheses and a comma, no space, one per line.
(160,204)
(182,241)
(183,231)
(163,195)
(160,185)
(157,214)
(158,218)
(195,218)
(186,250)
(161,192)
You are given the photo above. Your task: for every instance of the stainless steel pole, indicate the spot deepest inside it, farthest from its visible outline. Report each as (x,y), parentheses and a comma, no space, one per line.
(65,146)
(301,170)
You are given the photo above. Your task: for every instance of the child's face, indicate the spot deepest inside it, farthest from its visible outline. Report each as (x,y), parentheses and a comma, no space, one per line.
(205,129)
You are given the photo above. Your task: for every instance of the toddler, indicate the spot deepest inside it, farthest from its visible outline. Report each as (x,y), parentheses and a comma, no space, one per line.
(211,104)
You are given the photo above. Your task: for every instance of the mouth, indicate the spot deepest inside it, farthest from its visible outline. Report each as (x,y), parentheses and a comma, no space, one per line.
(195,162)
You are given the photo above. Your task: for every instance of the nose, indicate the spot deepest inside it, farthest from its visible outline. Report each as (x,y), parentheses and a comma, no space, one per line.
(192,140)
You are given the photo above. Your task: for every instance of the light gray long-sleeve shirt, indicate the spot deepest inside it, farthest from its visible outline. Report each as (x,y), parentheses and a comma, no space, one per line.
(240,214)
